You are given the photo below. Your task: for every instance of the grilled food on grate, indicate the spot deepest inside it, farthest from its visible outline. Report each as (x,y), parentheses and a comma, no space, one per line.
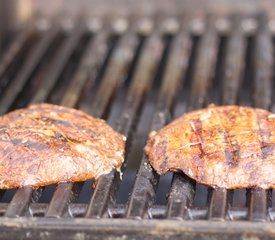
(46,144)
(227,146)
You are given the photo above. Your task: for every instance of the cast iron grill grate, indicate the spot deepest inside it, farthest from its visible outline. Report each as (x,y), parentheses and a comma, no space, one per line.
(138,75)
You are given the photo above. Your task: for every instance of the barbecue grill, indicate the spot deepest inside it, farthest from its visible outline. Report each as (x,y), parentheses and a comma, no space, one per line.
(139,70)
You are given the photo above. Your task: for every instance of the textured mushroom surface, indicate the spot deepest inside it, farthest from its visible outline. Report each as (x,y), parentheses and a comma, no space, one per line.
(47,144)
(219,146)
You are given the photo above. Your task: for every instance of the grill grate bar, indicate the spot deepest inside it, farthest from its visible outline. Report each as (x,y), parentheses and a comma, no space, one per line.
(218,205)
(63,195)
(14,50)
(181,197)
(88,68)
(21,201)
(263,64)
(116,73)
(119,64)
(234,63)
(34,58)
(204,66)
(258,204)
(146,180)
(58,64)
(107,185)
(233,73)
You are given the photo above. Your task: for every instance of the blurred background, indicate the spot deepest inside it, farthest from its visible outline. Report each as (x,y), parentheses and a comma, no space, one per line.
(13,13)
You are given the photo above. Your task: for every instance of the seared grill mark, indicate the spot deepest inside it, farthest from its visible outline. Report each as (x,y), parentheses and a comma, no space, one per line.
(266,130)
(196,127)
(260,134)
(33,169)
(160,151)
(164,163)
(232,150)
(26,143)
(268,150)
(56,121)
(232,157)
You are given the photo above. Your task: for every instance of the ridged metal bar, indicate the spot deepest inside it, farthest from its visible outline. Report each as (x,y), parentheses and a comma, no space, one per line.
(34,57)
(13,50)
(180,197)
(263,65)
(63,195)
(117,68)
(21,201)
(107,185)
(58,65)
(218,204)
(204,66)
(115,74)
(88,68)
(234,63)
(146,180)
(258,204)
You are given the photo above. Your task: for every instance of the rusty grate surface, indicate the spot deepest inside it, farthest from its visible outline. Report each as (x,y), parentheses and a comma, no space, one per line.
(138,75)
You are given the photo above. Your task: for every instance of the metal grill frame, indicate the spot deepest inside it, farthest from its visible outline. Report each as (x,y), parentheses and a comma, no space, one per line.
(102,217)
